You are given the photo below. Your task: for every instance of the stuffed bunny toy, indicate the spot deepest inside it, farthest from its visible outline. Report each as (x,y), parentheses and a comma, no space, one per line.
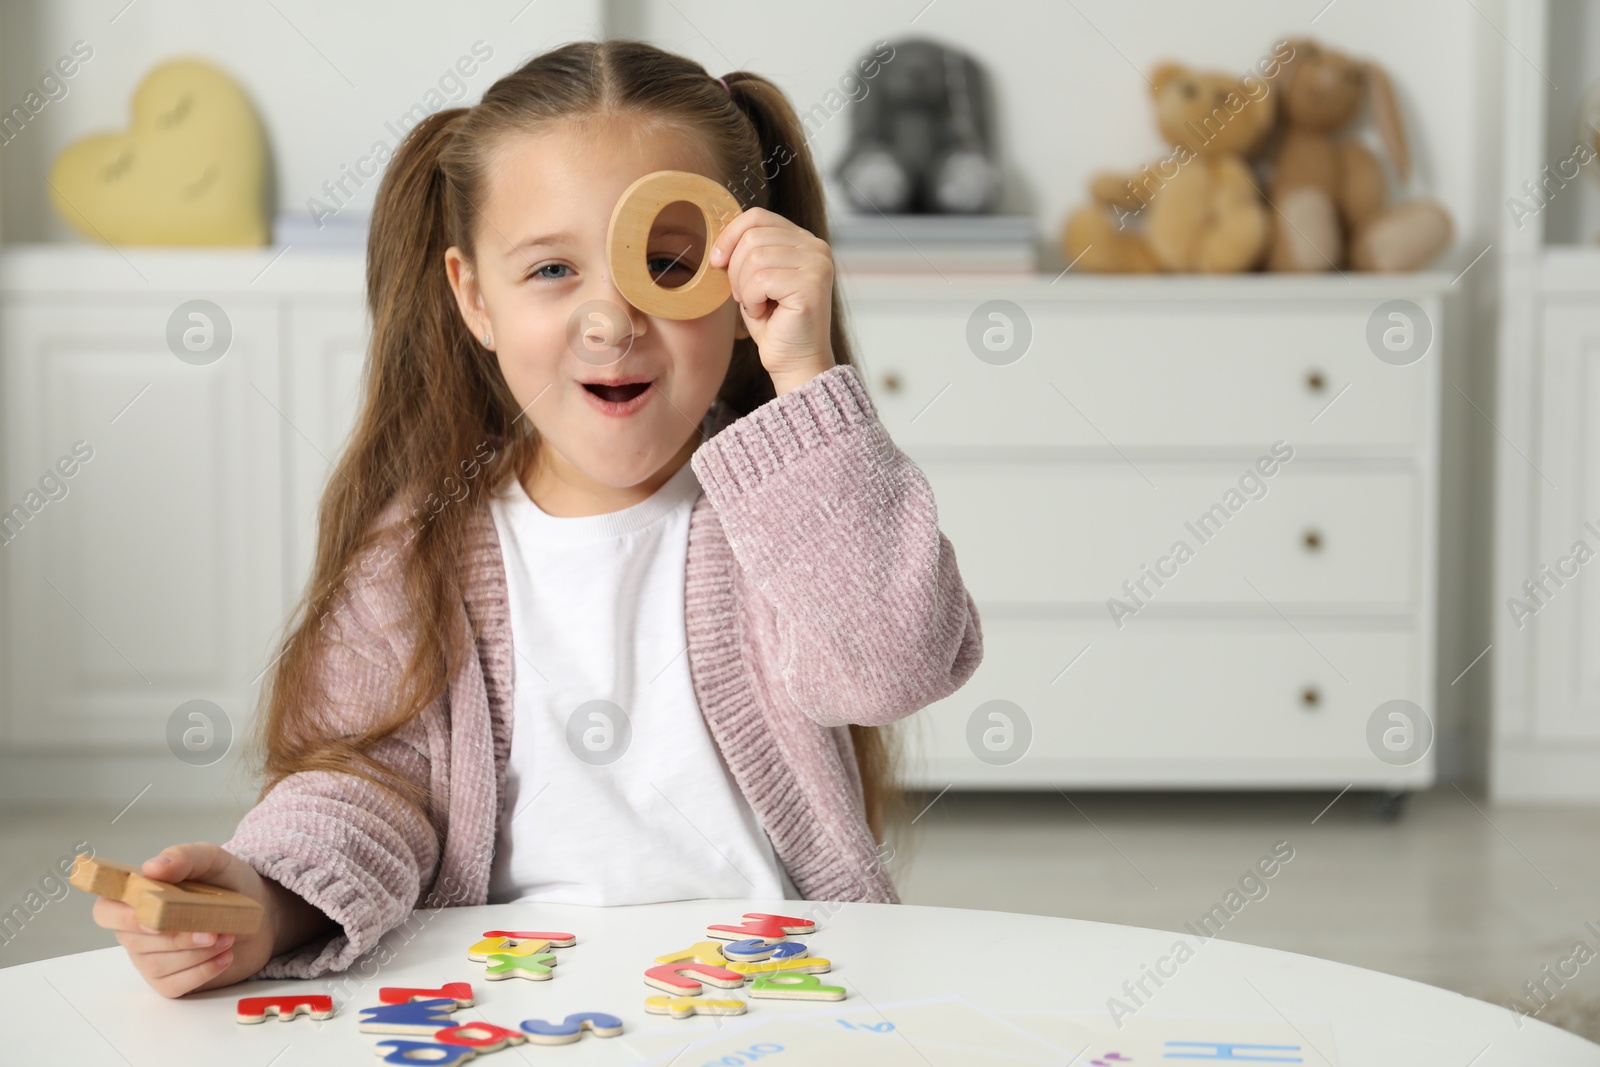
(923,141)
(1329,192)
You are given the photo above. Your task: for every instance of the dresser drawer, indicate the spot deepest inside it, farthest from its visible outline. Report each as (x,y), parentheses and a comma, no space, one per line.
(1171,703)
(1325,536)
(1162,374)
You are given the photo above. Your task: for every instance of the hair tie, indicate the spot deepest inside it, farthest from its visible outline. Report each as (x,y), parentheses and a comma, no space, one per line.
(724,85)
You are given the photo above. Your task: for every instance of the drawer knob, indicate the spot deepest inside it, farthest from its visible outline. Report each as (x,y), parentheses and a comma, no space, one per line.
(891,382)
(1312,539)
(1311,696)
(1315,381)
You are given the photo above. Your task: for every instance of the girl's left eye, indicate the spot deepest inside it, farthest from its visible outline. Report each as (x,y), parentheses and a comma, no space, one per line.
(662,262)
(539,272)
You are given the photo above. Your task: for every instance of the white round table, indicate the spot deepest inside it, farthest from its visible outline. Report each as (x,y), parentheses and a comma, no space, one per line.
(925,986)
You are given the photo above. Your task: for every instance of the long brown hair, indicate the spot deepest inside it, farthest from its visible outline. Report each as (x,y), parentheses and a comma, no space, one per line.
(435,404)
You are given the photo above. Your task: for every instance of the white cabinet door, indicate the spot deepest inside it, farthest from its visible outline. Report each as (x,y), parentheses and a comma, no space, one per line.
(327,344)
(1561,615)
(151,575)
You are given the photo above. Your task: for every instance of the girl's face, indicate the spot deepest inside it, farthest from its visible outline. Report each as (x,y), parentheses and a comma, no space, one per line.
(540,285)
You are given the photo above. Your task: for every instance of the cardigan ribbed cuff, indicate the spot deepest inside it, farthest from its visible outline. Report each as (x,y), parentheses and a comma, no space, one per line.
(744,454)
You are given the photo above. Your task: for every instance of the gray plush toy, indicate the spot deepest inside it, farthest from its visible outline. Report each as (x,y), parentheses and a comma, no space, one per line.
(923,142)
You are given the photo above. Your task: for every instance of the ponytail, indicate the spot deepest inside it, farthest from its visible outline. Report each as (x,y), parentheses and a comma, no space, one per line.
(408,294)
(786,182)
(423,435)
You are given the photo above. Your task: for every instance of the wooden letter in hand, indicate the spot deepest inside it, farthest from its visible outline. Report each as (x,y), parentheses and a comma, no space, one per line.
(627,243)
(164,906)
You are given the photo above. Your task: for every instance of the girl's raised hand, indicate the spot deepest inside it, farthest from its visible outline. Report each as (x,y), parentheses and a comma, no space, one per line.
(782,277)
(177,963)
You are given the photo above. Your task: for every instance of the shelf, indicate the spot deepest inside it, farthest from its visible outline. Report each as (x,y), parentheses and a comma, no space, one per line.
(65,269)
(1072,287)
(47,269)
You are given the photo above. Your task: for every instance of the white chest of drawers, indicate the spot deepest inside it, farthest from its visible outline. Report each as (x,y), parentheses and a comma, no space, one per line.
(1257,654)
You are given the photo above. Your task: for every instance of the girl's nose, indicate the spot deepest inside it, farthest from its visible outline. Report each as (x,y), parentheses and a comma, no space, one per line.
(605,327)
(629,319)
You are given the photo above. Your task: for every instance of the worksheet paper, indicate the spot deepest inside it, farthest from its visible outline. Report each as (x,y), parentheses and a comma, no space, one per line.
(954,1031)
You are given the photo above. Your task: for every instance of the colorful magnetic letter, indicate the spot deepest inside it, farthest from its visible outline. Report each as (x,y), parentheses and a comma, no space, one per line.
(424,1052)
(460,992)
(707,952)
(675,977)
(256,1009)
(793,965)
(534,968)
(794,987)
(415,1017)
(505,946)
(480,1037)
(752,949)
(572,1027)
(683,1007)
(556,938)
(760,924)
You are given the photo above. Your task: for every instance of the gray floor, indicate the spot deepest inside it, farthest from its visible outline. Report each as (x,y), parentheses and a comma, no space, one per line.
(1456,893)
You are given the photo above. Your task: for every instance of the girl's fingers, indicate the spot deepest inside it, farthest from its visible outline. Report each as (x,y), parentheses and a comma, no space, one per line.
(747,260)
(171,965)
(795,263)
(153,943)
(115,915)
(734,232)
(201,861)
(133,935)
(177,983)
(770,283)
(765,241)
(755,228)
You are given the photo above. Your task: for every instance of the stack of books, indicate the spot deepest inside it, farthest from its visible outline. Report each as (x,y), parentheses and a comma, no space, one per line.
(346,230)
(933,244)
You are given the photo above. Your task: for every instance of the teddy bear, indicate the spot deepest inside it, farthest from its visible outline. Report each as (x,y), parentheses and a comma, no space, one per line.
(1201,207)
(1329,193)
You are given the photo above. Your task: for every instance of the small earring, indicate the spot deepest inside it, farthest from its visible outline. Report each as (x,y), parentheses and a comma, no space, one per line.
(485,338)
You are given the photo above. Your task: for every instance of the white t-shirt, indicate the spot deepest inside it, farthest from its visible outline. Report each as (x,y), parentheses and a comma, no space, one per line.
(615,791)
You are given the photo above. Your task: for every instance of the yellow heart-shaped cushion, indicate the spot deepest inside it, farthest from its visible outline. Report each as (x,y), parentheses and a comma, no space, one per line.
(190,171)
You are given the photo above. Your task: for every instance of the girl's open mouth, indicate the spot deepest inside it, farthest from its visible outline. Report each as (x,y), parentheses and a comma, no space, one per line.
(618,393)
(619,400)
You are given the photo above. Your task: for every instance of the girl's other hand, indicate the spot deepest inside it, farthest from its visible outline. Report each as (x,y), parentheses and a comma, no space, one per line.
(782,277)
(177,963)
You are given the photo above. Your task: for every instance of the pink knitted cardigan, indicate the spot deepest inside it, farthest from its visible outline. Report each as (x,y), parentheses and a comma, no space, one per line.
(819,592)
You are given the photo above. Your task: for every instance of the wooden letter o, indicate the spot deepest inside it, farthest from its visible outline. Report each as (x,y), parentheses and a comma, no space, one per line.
(629,234)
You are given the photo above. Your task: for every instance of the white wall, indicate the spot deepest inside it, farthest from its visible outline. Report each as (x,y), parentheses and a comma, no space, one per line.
(325,77)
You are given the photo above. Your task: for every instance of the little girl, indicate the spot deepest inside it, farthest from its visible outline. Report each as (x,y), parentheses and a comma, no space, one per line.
(607,608)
